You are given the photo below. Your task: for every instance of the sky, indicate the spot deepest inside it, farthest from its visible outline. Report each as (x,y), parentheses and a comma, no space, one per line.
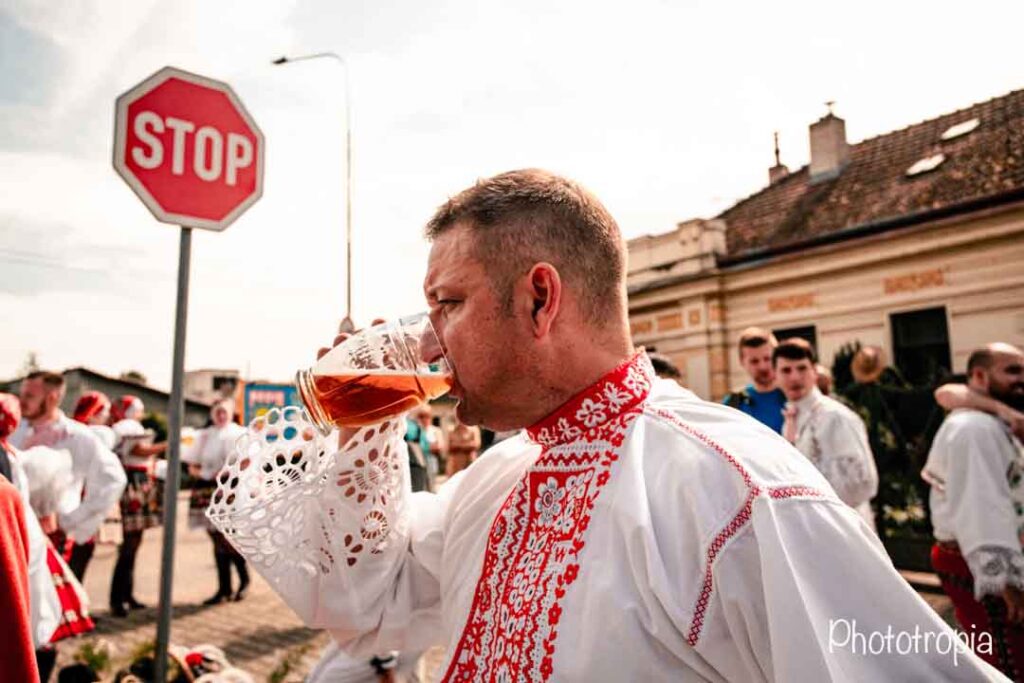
(664,109)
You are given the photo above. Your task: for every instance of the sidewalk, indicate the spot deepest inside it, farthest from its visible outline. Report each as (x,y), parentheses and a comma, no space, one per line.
(260,634)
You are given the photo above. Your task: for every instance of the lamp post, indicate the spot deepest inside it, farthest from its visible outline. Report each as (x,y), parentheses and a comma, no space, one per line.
(346,325)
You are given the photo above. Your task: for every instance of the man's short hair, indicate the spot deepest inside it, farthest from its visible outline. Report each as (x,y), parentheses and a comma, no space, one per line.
(980,358)
(51,380)
(755,338)
(523,217)
(985,356)
(663,367)
(794,348)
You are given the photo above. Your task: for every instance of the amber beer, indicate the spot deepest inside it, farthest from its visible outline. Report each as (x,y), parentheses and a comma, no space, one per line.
(359,399)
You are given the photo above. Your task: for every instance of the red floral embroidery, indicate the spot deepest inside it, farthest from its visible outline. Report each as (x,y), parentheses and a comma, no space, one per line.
(735,524)
(536,537)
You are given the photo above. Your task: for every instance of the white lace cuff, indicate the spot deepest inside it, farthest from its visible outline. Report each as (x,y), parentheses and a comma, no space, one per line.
(310,522)
(993,568)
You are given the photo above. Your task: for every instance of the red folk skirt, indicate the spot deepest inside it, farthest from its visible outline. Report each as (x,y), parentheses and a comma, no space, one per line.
(74,618)
(974,617)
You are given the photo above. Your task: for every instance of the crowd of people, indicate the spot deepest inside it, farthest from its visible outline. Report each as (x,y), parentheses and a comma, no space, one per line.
(974,469)
(435,452)
(73,473)
(729,542)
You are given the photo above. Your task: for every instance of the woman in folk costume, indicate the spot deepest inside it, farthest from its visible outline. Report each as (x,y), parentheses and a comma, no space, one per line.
(93,409)
(140,503)
(214,445)
(42,476)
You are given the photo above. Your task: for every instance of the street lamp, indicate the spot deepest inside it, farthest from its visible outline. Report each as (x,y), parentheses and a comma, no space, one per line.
(346,325)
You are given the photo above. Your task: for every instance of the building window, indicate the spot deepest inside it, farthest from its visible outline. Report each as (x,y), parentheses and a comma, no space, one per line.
(808,333)
(920,342)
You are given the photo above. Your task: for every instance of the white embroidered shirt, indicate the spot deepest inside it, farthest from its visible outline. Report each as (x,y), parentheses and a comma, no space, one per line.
(636,534)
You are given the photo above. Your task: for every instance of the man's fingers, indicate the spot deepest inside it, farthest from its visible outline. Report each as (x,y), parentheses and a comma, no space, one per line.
(322,352)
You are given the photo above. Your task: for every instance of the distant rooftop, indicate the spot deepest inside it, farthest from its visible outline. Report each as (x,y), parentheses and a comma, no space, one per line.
(956,161)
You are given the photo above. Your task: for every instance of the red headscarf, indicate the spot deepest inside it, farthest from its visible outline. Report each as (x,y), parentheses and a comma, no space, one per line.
(90,404)
(10,416)
(127,406)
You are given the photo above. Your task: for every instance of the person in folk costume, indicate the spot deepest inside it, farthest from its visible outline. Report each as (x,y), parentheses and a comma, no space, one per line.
(141,501)
(829,434)
(631,532)
(43,478)
(97,476)
(976,472)
(213,446)
(93,409)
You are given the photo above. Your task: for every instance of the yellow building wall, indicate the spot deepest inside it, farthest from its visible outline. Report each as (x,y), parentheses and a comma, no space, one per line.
(975,269)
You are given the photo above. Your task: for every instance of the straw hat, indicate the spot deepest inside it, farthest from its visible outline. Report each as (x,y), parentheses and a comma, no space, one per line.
(868,364)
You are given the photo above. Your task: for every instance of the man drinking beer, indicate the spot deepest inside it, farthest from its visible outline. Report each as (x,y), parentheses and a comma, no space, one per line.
(630,532)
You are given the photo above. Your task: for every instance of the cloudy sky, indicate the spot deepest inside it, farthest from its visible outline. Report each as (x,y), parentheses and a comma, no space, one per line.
(665,109)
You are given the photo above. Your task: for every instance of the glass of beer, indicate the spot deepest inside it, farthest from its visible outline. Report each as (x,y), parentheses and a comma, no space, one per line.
(376,374)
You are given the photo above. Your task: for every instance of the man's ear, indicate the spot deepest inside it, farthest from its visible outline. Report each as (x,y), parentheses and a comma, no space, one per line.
(545,290)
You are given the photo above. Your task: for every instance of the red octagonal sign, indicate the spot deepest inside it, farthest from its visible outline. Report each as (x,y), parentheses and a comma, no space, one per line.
(189,149)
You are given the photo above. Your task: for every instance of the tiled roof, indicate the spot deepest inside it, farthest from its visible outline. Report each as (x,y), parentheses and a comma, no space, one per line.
(987,162)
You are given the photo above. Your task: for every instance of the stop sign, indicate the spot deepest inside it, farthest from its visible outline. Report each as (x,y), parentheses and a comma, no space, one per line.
(189,149)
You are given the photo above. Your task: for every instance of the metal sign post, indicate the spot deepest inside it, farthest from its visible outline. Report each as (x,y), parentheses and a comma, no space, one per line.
(188,148)
(175,422)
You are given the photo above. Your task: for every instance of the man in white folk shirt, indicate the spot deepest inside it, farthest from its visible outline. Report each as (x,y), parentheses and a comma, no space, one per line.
(829,434)
(631,532)
(975,469)
(98,478)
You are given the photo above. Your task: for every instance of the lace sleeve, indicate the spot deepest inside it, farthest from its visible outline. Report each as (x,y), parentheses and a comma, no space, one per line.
(854,479)
(846,459)
(993,568)
(327,531)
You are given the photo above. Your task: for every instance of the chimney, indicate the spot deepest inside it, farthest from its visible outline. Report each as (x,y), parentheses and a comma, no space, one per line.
(829,151)
(779,170)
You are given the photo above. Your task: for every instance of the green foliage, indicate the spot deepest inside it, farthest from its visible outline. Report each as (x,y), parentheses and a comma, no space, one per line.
(95,655)
(158,423)
(288,663)
(842,377)
(144,649)
(134,376)
(901,421)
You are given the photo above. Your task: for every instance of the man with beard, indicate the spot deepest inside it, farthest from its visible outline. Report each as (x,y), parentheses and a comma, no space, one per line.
(630,532)
(976,471)
(97,475)
(828,433)
(761,399)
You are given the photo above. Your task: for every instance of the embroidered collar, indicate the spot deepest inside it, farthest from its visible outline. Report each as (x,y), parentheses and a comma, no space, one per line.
(616,392)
